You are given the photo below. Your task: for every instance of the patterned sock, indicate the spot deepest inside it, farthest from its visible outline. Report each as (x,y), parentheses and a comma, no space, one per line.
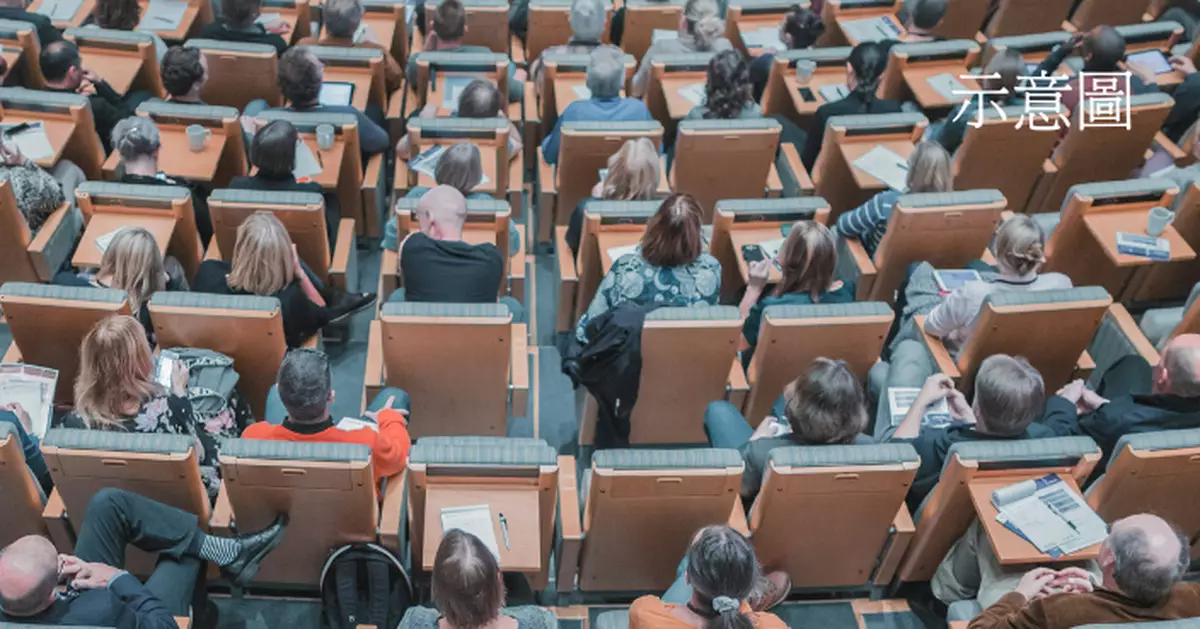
(219,550)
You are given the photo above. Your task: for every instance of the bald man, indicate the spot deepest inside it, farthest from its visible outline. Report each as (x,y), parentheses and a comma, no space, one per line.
(438,266)
(100,593)
(1134,397)
(1142,563)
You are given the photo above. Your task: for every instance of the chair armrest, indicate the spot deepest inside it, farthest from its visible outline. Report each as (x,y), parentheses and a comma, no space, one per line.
(570,526)
(517,269)
(373,371)
(389,516)
(389,274)
(221,522)
(54,517)
(374,196)
(547,198)
(519,370)
(400,181)
(1164,144)
(109,168)
(774,183)
(897,543)
(55,241)
(664,179)
(516,50)
(395,111)
(854,265)
(737,386)
(343,271)
(546,174)
(568,280)
(791,158)
(1084,366)
(941,356)
(737,518)
(1130,330)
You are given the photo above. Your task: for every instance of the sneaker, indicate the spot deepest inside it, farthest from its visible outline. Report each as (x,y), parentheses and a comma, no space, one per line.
(344,304)
(255,547)
(770,591)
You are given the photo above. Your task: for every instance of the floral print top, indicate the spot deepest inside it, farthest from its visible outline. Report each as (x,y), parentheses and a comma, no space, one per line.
(632,279)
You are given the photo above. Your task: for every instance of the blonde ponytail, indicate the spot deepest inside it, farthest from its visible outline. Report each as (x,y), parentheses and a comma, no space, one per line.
(704,23)
(1021,245)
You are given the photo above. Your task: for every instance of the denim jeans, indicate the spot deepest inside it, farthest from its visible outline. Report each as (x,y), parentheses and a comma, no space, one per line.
(725,425)
(275,412)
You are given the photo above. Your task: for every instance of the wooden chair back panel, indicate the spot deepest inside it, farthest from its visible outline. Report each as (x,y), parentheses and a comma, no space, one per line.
(1022,151)
(581,157)
(724,165)
(642,20)
(15,263)
(1093,13)
(1140,481)
(236,78)
(1026,17)
(305,226)
(20,497)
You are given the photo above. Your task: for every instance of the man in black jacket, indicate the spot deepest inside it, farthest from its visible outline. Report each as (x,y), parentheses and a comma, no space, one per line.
(64,72)
(1134,397)
(99,592)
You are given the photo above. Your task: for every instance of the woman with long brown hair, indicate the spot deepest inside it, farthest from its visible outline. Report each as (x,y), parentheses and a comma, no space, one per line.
(124,15)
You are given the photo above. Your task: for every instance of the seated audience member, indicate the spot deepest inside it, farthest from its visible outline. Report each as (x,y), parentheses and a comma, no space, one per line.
(304,389)
(137,140)
(588,19)
(1186,109)
(64,72)
(605,79)
(184,74)
(273,153)
(436,265)
(669,268)
(468,592)
(1102,50)
(922,17)
(800,30)
(1185,177)
(718,585)
(825,405)
(632,176)
(115,390)
(1142,562)
(342,21)
(1020,253)
(1009,397)
(930,169)
(16,415)
(701,29)
(999,83)
(863,71)
(807,264)
(1134,397)
(300,76)
(238,24)
(100,592)
(264,262)
(449,28)
(37,192)
(131,263)
(124,15)
(16,10)
(479,99)
(461,168)
(727,91)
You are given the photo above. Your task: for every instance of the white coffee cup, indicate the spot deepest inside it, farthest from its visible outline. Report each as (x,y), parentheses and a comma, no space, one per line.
(805,69)
(197,136)
(325,136)
(1158,220)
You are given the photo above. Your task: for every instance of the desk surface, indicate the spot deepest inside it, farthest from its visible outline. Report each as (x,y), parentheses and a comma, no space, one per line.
(384,27)
(867,15)
(331,160)
(678,106)
(917,79)
(81,14)
(359,77)
(120,67)
(751,23)
(177,159)
(743,237)
(1104,227)
(1011,548)
(854,150)
(521,511)
(180,32)
(59,128)
(89,255)
(819,78)
(610,239)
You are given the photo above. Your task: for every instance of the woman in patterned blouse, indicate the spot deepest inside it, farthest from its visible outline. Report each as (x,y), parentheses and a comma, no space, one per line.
(669,268)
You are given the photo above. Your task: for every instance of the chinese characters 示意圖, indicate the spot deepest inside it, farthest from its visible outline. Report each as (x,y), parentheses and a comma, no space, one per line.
(1103,100)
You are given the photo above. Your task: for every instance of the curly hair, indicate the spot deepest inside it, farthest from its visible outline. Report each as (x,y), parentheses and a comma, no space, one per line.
(728,89)
(181,69)
(121,15)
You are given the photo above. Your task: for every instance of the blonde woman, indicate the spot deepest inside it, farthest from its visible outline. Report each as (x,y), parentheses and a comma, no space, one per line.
(115,391)
(701,29)
(929,170)
(133,264)
(265,263)
(632,176)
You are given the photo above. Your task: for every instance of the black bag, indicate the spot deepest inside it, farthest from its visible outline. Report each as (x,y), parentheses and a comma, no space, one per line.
(364,584)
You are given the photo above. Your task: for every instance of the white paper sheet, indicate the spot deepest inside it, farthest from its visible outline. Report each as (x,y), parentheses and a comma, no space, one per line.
(833,92)
(33,141)
(662,35)
(267,19)
(767,37)
(426,162)
(104,240)
(695,93)
(59,10)
(33,388)
(361,33)
(873,29)
(306,166)
(452,88)
(474,519)
(581,91)
(615,253)
(350,424)
(901,399)
(1050,514)
(886,166)
(164,15)
(947,84)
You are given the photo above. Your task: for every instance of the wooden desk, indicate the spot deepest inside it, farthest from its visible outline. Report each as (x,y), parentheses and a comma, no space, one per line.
(178,160)
(180,32)
(564,90)
(931,99)
(383,25)
(678,106)
(749,24)
(520,508)
(59,128)
(360,77)
(743,237)
(487,160)
(120,67)
(89,255)
(806,108)
(1104,227)
(331,161)
(854,150)
(81,14)
(1011,548)
(610,239)
(868,16)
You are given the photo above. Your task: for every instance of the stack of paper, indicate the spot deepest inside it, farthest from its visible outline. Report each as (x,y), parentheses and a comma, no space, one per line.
(1144,246)
(767,37)
(695,93)
(267,19)
(31,139)
(948,86)
(476,520)
(662,35)
(615,253)
(307,166)
(874,29)
(886,166)
(164,15)
(901,399)
(833,92)
(1049,514)
(33,388)
(59,10)
(452,89)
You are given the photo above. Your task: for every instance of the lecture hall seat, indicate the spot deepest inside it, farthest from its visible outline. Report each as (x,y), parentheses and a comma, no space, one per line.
(26,257)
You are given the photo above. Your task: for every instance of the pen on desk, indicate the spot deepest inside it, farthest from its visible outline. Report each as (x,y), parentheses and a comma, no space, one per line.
(1064,518)
(504,531)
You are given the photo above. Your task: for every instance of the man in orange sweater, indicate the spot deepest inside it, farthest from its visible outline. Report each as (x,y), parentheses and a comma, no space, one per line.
(304,390)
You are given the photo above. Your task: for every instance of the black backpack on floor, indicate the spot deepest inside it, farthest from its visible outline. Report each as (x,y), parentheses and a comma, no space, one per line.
(364,584)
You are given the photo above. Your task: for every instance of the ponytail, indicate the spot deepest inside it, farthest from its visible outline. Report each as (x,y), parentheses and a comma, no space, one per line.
(868,61)
(728,615)
(723,571)
(1020,245)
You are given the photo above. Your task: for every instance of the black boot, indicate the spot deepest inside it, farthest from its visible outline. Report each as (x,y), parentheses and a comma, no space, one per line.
(341,304)
(255,547)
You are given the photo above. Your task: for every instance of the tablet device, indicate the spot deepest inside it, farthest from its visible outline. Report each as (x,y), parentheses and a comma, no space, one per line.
(1152,60)
(336,93)
(949,280)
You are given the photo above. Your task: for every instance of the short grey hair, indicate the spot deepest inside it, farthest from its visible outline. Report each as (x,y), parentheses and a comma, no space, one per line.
(1009,394)
(1140,575)
(1181,367)
(342,17)
(135,137)
(606,73)
(304,384)
(587,20)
